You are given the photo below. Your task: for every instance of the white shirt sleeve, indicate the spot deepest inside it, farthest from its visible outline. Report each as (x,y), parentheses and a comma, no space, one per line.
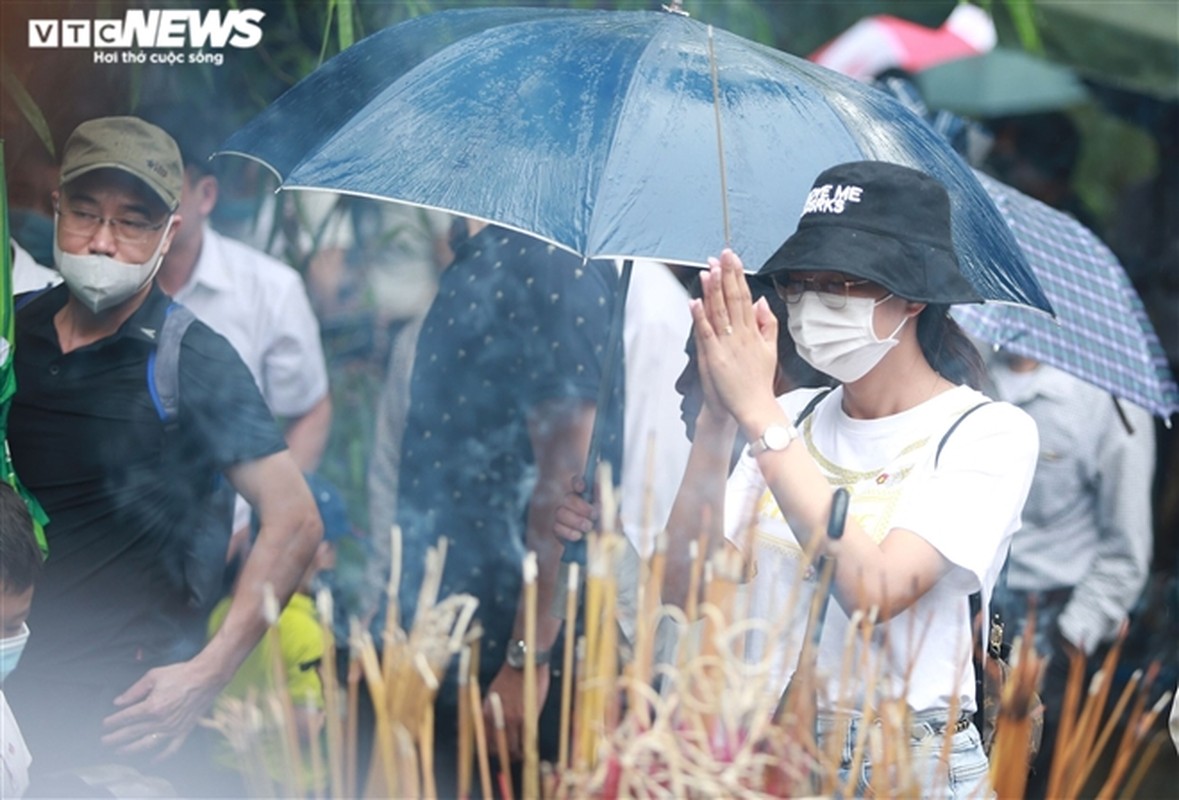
(294,374)
(970,505)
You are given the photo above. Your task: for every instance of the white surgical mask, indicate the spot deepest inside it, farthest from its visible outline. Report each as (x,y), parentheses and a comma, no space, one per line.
(100,282)
(840,342)
(10,650)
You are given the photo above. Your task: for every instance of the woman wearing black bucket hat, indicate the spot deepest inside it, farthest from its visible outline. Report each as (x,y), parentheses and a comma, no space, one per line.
(867,278)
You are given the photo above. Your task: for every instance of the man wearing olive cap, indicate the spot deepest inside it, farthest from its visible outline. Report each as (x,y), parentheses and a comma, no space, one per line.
(117,671)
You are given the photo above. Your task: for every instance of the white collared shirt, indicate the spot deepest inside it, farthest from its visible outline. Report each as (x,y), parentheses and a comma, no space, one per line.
(260,305)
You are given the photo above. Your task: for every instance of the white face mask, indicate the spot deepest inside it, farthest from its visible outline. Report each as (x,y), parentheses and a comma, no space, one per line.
(100,282)
(839,342)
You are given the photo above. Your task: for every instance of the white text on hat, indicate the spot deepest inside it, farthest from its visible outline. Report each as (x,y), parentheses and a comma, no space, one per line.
(828,199)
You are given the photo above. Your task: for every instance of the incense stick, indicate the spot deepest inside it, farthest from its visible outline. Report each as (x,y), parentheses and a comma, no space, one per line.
(501,743)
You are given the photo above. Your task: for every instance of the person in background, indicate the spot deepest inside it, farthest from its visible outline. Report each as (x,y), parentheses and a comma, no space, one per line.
(27,275)
(255,301)
(503,399)
(1038,154)
(1081,559)
(19,570)
(117,673)
(301,639)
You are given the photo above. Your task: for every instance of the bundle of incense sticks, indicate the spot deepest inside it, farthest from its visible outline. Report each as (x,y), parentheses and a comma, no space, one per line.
(700,727)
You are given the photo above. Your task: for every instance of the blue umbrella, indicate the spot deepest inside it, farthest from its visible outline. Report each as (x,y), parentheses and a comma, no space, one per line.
(598,131)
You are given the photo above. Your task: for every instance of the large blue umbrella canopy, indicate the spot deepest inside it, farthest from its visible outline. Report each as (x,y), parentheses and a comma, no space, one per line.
(598,131)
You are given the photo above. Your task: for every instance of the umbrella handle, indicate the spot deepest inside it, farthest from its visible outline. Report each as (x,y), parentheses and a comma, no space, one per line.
(836,521)
(838,517)
(575,552)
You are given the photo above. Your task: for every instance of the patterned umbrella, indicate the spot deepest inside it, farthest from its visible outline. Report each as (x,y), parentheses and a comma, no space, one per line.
(7,373)
(1101,333)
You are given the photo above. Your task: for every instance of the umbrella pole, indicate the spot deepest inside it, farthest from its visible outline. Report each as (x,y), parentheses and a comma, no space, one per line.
(575,551)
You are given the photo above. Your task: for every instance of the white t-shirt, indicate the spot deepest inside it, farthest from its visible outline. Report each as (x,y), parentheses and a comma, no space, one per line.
(14,754)
(967,508)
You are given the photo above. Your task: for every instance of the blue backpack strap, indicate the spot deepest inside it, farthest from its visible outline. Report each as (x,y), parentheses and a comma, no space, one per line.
(163,363)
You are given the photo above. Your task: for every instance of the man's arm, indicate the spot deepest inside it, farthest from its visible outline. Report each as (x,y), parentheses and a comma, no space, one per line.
(1111,586)
(307,435)
(560,433)
(160,709)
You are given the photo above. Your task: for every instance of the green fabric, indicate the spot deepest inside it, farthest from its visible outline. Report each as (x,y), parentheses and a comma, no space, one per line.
(7,373)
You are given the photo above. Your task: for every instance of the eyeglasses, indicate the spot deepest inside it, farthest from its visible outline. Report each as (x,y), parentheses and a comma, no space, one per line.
(832,293)
(77,222)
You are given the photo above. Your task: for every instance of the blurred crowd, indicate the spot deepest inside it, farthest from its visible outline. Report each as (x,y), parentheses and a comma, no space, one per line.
(356,367)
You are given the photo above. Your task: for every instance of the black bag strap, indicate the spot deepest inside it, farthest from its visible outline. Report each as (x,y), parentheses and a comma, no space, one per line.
(810,406)
(975,602)
(163,364)
(937,456)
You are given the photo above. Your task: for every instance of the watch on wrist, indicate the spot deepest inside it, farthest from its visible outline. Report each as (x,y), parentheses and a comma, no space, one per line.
(775,437)
(518,652)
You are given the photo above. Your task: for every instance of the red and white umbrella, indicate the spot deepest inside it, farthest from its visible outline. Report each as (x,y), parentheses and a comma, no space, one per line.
(881,42)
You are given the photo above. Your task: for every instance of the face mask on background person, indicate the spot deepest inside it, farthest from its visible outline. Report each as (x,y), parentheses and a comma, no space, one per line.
(840,342)
(100,282)
(10,650)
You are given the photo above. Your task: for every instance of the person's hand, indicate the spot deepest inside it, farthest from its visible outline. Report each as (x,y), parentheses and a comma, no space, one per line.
(509,685)
(736,340)
(575,516)
(160,709)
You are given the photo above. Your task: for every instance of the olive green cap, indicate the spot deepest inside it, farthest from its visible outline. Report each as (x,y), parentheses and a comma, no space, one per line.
(128,144)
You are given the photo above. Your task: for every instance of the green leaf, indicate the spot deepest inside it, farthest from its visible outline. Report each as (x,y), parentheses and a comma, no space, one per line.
(1023,18)
(327,30)
(28,107)
(345,32)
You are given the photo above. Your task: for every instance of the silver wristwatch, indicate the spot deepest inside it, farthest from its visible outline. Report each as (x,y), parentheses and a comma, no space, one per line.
(775,437)
(518,652)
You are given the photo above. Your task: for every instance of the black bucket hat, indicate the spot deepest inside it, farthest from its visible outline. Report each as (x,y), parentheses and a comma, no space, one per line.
(882,222)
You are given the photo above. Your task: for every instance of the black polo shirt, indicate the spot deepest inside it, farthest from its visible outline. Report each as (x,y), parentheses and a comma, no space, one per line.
(121,493)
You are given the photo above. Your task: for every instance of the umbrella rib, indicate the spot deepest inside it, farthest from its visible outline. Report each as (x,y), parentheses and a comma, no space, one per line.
(251,157)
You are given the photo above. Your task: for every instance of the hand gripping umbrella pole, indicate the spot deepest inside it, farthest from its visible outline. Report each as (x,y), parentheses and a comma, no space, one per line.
(575,552)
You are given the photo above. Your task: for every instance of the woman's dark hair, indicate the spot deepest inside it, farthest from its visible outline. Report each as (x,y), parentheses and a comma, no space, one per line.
(20,555)
(947,348)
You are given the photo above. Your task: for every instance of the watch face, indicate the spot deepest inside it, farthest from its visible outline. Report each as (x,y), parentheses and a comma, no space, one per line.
(777,438)
(515,654)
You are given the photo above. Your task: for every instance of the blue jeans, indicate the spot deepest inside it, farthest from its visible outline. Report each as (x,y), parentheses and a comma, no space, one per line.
(964,776)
